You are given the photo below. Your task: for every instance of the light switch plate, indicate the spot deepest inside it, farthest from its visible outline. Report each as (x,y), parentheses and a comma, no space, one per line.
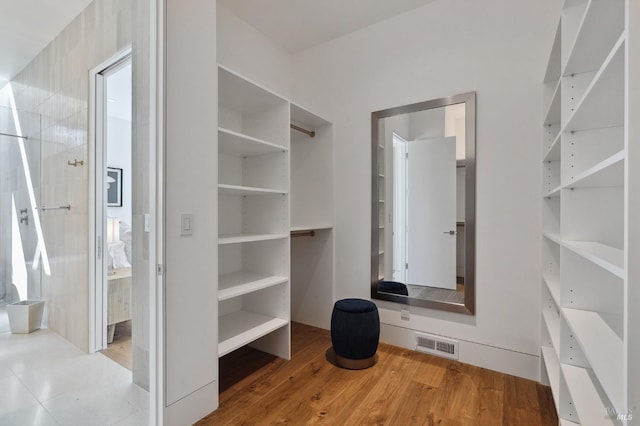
(404,314)
(186,224)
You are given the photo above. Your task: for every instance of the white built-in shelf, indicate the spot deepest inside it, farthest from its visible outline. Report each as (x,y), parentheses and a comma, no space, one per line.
(553,285)
(564,422)
(239,283)
(603,102)
(602,347)
(553,193)
(553,153)
(553,112)
(552,321)
(553,371)
(607,173)
(607,257)
(241,328)
(242,95)
(552,236)
(306,119)
(318,227)
(247,190)
(239,145)
(601,25)
(248,238)
(588,404)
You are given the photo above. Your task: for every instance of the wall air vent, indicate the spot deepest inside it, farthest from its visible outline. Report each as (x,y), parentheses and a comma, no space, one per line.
(436,345)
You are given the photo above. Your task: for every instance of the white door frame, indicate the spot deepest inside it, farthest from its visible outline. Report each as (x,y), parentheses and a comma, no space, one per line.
(97,200)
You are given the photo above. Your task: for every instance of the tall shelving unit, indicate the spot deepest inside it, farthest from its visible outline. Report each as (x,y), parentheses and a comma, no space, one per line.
(275,182)
(583,209)
(253,203)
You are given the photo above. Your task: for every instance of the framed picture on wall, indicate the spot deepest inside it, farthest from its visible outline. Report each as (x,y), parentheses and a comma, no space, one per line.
(114,187)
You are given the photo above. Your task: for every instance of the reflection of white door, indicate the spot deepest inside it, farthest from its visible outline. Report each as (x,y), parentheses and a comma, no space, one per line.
(431,253)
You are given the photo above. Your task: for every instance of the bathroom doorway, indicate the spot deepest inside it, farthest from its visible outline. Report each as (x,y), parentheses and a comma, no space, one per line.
(113,257)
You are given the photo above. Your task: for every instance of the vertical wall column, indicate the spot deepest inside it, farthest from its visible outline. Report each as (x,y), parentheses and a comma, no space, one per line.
(191,261)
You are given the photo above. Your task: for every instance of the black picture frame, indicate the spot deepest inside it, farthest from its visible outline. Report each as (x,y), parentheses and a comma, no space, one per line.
(114,187)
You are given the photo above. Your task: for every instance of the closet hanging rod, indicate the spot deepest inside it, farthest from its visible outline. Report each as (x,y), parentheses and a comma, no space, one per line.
(309,133)
(310,233)
(16,136)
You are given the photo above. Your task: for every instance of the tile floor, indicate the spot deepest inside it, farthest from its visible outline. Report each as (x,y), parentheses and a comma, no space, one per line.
(45,380)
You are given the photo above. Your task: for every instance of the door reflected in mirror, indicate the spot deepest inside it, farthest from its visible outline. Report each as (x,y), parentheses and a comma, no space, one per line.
(423,214)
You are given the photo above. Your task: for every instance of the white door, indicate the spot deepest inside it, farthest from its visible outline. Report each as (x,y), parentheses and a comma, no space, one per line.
(431,194)
(100,115)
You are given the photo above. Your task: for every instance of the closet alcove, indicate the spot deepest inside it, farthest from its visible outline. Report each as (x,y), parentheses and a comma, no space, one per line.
(275,207)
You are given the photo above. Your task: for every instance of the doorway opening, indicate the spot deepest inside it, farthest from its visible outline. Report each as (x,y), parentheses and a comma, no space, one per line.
(112,212)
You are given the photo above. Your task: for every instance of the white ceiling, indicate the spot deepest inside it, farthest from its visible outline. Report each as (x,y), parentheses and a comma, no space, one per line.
(299,24)
(27,26)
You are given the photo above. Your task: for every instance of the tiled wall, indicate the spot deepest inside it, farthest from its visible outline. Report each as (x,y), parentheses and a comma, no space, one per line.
(55,84)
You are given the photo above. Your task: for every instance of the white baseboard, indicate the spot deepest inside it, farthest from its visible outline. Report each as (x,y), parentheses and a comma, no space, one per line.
(193,407)
(497,359)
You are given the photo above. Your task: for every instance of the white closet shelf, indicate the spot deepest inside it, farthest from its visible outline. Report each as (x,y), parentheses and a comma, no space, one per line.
(553,193)
(239,283)
(242,327)
(564,422)
(607,173)
(554,64)
(247,190)
(553,153)
(590,408)
(601,25)
(552,321)
(553,285)
(303,117)
(603,102)
(242,95)
(552,236)
(607,257)
(248,238)
(318,227)
(602,347)
(553,371)
(237,144)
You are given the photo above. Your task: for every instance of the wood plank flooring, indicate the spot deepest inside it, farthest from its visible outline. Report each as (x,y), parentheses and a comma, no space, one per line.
(120,349)
(404,388)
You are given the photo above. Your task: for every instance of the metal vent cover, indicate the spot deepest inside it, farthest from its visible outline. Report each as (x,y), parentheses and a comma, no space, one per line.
(436,345)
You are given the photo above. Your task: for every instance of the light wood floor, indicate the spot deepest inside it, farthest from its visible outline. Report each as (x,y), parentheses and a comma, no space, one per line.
(120,349)
(404,388)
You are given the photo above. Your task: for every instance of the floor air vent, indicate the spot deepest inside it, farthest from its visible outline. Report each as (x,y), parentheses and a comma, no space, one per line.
(437,345)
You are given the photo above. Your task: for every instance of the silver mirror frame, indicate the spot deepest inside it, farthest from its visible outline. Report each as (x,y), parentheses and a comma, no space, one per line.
(468,307)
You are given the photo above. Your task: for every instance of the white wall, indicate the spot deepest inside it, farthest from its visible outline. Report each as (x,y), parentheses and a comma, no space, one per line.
(497,48)
(191,148)
(249,53)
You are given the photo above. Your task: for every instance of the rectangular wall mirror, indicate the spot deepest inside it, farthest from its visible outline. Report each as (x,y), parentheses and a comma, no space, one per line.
(423,204)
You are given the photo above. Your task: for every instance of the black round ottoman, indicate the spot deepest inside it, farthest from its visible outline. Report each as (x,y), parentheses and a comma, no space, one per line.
(355,331)
(393,287)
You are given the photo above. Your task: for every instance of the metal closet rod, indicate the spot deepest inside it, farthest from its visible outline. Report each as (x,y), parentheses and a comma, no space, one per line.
(13,136)
(311,233)
(309,133)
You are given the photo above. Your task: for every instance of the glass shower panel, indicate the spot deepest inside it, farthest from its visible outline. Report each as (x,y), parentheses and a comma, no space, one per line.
(21,244)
